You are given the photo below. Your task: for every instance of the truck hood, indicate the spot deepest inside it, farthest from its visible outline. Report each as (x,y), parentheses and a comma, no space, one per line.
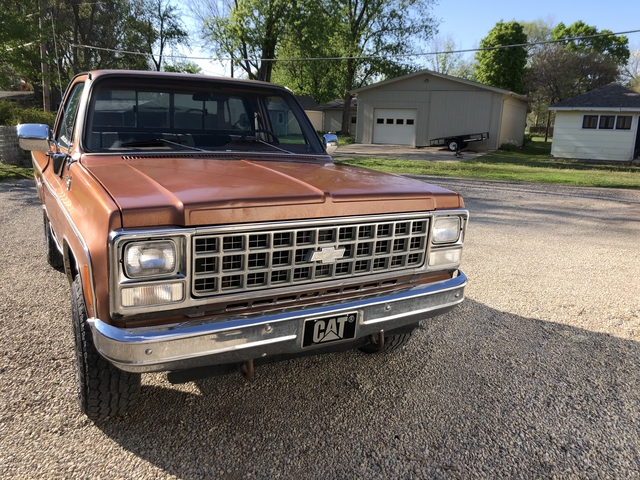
(192,190)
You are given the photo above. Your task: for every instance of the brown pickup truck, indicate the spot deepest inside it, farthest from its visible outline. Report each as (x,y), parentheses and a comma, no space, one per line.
(204,229)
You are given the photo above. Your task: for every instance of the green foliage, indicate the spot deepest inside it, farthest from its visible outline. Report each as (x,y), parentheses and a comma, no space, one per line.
(142,26)
(346,140)
(528,138)
(156,27)
(504,67)
(183,67)
(247,31)
(615,47)
(376,29)
(557,73)
(509,146)
(12,114)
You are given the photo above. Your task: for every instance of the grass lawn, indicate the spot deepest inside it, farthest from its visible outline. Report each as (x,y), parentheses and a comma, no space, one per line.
(9,172)
(529,164)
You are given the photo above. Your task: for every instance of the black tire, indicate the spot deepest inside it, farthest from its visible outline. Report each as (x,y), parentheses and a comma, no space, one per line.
(103,390)
(391,342)
(54,257)
(454,145)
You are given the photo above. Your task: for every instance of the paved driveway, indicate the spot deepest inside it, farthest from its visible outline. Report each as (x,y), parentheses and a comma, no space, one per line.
(408,153)
(536,375)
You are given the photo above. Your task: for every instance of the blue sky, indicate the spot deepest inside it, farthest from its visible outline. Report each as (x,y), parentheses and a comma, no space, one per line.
(468,22)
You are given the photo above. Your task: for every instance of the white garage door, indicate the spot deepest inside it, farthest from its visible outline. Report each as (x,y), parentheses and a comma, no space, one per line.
(394,126)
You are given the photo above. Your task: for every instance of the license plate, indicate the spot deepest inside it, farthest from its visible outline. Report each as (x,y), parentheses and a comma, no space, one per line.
(318,331)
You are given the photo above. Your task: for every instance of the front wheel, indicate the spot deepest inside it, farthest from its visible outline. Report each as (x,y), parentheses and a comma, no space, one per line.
(103,390)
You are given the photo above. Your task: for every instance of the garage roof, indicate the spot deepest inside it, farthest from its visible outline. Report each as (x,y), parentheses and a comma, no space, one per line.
(440,75)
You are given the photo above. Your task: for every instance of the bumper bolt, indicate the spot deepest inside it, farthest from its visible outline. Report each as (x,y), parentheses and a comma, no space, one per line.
(268,328)
(387,308)
(148,351)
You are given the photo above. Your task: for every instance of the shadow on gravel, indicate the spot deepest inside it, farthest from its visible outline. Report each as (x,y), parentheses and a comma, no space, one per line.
(477,392)
(21,193)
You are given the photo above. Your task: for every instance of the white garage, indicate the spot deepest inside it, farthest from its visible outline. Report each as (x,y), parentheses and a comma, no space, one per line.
(416,108)
(395,126)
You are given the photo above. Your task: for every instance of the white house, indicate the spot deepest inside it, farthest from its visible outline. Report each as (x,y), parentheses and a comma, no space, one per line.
(603,124)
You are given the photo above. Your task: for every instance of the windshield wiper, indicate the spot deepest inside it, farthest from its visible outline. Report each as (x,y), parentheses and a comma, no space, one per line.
(156,142)
(252,138)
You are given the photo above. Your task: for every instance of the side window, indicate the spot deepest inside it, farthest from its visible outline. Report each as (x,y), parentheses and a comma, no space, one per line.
(68,120)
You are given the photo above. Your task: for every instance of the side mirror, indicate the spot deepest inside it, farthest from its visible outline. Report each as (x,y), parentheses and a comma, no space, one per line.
(330,142)
(34,137)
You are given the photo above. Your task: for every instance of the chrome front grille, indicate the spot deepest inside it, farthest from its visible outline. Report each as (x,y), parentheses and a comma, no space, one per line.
(234,262)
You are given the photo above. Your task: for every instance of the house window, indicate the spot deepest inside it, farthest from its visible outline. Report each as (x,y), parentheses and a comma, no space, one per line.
(607,122)
(353,119)
(590,121)
(379,120)
(623,122)
(399,121)
(409,121)
(389,121)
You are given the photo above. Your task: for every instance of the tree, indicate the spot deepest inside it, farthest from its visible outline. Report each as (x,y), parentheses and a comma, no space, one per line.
(615,47)
(183,67)
(503,67)
(565,69)
(19,37)
(557,73)
(310,34)
(631,72)
(246,31)
(367,36)
(159,27)
(372,36)
(443,58)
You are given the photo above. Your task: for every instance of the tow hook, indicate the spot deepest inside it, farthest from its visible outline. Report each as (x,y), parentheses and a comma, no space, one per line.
(247,370)
(377,341)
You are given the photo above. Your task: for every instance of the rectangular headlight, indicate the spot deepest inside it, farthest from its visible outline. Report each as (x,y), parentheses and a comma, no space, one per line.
(152,295)
(150,259)
(446,229)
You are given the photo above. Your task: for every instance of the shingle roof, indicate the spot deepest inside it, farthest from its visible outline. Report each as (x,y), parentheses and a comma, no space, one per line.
(338,103)
(609,96)
(307,102)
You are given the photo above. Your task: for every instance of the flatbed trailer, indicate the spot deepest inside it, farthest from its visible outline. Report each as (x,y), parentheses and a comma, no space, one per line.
(458,142)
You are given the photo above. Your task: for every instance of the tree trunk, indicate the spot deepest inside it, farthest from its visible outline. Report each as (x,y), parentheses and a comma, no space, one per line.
(546,132)
(346,109)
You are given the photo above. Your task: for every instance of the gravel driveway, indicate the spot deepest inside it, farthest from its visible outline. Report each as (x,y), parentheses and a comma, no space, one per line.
(534,376)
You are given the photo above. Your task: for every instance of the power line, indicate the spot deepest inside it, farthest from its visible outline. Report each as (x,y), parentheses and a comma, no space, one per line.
(364,57)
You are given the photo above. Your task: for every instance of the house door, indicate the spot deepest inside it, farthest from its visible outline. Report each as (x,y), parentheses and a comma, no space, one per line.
(394,126)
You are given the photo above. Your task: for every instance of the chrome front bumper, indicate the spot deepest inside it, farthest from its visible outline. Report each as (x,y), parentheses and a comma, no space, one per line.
(240,338)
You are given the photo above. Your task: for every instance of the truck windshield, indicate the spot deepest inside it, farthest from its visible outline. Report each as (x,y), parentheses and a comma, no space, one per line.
(135,118)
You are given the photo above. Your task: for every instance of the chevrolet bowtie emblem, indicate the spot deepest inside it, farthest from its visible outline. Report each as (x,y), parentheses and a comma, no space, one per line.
(326,255)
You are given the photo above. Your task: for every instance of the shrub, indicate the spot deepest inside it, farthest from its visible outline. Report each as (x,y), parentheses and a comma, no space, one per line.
(346,140)
(528,137)
(509,146)
(12,114)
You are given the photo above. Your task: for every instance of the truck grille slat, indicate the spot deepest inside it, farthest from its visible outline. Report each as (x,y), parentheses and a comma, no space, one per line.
(231,263)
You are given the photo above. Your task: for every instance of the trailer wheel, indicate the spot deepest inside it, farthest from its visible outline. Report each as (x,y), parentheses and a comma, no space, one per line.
(454,144)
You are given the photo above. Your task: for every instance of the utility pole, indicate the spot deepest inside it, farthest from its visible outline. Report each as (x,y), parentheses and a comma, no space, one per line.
(46,96)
